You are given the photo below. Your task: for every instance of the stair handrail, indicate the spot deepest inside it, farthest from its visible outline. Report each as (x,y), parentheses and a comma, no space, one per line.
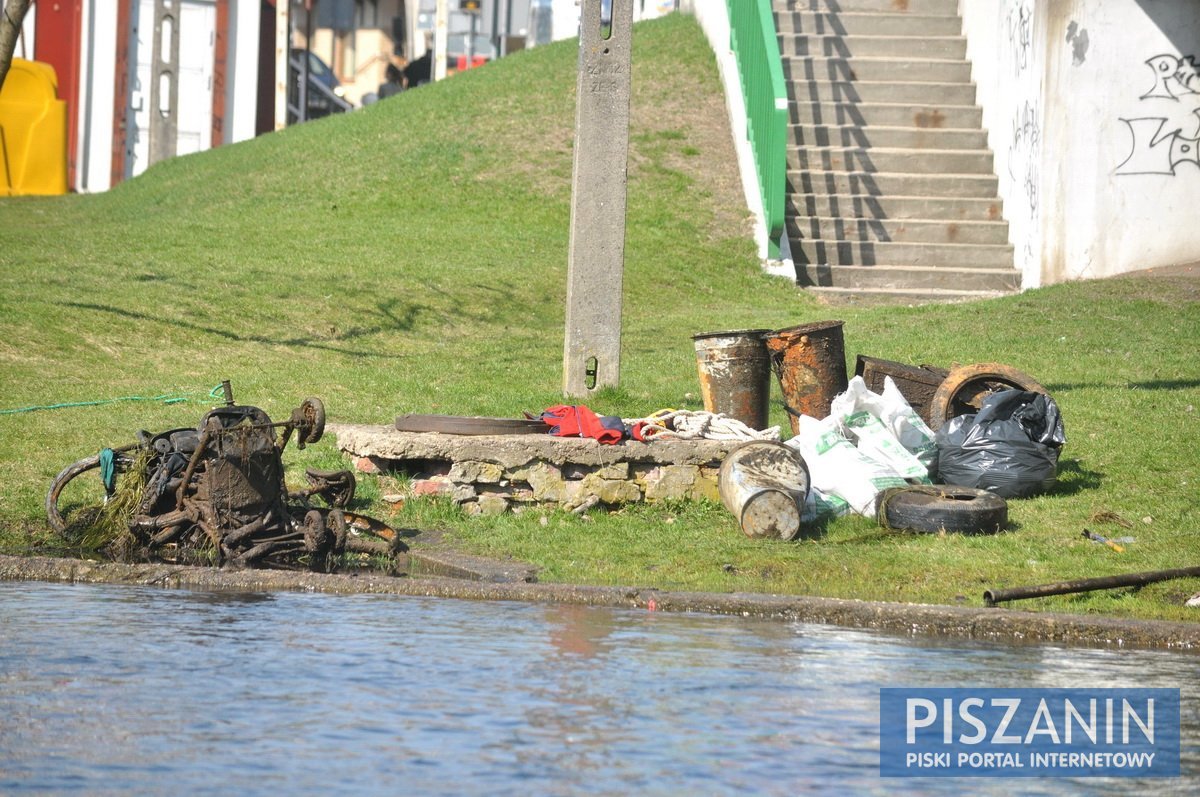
(752,38)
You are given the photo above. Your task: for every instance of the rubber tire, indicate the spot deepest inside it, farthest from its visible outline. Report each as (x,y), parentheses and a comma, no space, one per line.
(69,473)
(313,411)
(945,404)
(933,508)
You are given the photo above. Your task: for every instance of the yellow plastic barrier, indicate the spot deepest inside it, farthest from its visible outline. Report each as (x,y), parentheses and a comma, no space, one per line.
(33,131)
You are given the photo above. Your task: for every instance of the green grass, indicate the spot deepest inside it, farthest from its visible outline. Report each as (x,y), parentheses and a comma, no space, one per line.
(411,257)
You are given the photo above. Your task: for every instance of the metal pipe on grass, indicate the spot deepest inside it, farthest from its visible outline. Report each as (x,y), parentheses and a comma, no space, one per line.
(992,597)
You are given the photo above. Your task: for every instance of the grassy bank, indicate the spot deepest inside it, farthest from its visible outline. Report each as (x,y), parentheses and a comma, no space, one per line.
(411,257)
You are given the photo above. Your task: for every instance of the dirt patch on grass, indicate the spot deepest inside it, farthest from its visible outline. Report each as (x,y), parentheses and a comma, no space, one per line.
(1183,281)
(1185,270)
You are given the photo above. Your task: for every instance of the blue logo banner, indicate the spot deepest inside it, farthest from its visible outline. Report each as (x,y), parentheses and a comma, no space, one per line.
(1028,732)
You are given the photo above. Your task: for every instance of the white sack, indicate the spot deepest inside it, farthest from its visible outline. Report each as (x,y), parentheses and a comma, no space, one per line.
(836,467)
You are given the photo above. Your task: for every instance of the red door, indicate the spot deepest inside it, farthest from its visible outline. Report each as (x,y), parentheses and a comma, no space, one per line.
(57,41)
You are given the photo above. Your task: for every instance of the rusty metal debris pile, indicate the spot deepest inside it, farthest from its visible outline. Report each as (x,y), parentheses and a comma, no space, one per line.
(216,494)
(915,447)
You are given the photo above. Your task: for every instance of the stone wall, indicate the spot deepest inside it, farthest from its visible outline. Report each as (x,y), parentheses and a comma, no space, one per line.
(495,473)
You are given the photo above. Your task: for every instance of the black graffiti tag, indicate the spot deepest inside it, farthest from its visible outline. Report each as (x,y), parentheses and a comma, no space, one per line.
(1023,150)
(1159,145)
(1020,34)
(1173,76)
(1158,149)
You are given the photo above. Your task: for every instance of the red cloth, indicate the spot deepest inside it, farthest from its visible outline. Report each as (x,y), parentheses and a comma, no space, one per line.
(636,431)
(568,420)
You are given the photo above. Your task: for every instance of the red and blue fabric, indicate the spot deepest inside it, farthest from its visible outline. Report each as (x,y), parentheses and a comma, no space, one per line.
(572,420)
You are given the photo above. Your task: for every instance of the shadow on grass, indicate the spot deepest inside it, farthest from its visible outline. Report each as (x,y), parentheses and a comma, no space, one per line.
(1074,478)
(402,321)
(1153,384)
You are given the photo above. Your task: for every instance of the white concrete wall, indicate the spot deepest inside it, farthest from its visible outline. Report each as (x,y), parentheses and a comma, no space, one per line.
(1127,141)
(1091,110)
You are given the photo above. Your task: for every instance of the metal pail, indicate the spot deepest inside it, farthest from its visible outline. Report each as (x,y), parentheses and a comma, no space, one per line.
(810,361)
(735,374)
(764,484)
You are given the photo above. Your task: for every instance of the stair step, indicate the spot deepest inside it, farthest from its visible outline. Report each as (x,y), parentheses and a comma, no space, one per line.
(919,255)
(879,159)
(952,208)
(936,231)
(836,23)
(899,296)
(866,114)
(891,188)
(890,183)
(942,48)
(887,137)
(940,8)
(901,70)
(890,277)
(884,91)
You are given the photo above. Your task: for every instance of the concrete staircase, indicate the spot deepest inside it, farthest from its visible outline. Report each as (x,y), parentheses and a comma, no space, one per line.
(891,190)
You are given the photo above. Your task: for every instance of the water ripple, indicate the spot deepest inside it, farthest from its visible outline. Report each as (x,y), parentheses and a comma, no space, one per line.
(118,690)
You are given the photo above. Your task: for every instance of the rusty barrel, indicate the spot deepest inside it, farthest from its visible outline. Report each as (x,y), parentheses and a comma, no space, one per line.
(764,484)
(735,374)
(810,362)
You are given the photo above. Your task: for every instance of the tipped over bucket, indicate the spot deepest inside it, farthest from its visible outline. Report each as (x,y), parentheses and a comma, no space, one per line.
(764,484)
(810,362)
(735,374)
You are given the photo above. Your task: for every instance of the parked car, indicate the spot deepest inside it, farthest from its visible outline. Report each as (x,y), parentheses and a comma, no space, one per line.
(325,94)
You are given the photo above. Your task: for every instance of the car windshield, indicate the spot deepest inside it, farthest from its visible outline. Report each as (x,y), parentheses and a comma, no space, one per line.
(316,66)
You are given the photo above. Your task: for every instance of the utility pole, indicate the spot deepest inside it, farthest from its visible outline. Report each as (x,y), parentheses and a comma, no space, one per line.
(592,347)
(441,19)
(164,83)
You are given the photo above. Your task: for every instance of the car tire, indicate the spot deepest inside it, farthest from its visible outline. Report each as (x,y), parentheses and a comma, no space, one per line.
(934,508)
(964,388)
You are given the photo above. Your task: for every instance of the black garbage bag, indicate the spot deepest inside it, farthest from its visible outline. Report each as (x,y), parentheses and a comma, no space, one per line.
(1009,447)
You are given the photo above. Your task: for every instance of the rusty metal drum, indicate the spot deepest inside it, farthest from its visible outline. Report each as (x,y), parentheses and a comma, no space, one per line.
(735,374)
(810,361)
(764,484)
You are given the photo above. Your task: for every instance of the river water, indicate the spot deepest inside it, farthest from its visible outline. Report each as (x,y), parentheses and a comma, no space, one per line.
(132,690)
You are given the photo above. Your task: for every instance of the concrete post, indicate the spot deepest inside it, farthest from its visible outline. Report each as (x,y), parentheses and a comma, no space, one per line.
(164,82)
(592,351)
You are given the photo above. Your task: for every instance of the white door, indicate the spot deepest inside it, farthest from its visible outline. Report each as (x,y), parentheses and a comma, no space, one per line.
(197,34)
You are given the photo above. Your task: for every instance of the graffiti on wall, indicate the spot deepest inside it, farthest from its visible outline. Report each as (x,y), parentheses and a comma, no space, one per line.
(1023,153)
(1173,77)
(1022,157)
(1159,143)
(1019,23)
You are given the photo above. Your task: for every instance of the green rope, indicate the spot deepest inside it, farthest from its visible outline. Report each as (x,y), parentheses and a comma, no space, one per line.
(165,399)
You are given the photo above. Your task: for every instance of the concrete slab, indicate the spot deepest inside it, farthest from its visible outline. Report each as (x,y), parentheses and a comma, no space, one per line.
(513,451)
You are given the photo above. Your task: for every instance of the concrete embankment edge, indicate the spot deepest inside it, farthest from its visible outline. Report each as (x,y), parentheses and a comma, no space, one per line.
(1002,625)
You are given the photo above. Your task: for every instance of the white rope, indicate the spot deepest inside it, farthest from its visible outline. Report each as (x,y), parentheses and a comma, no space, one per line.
(699,425)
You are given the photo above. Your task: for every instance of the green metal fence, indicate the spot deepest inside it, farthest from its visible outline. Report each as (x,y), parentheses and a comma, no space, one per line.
(754,43)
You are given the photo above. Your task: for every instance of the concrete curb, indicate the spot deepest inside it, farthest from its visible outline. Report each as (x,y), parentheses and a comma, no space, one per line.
(911,619)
